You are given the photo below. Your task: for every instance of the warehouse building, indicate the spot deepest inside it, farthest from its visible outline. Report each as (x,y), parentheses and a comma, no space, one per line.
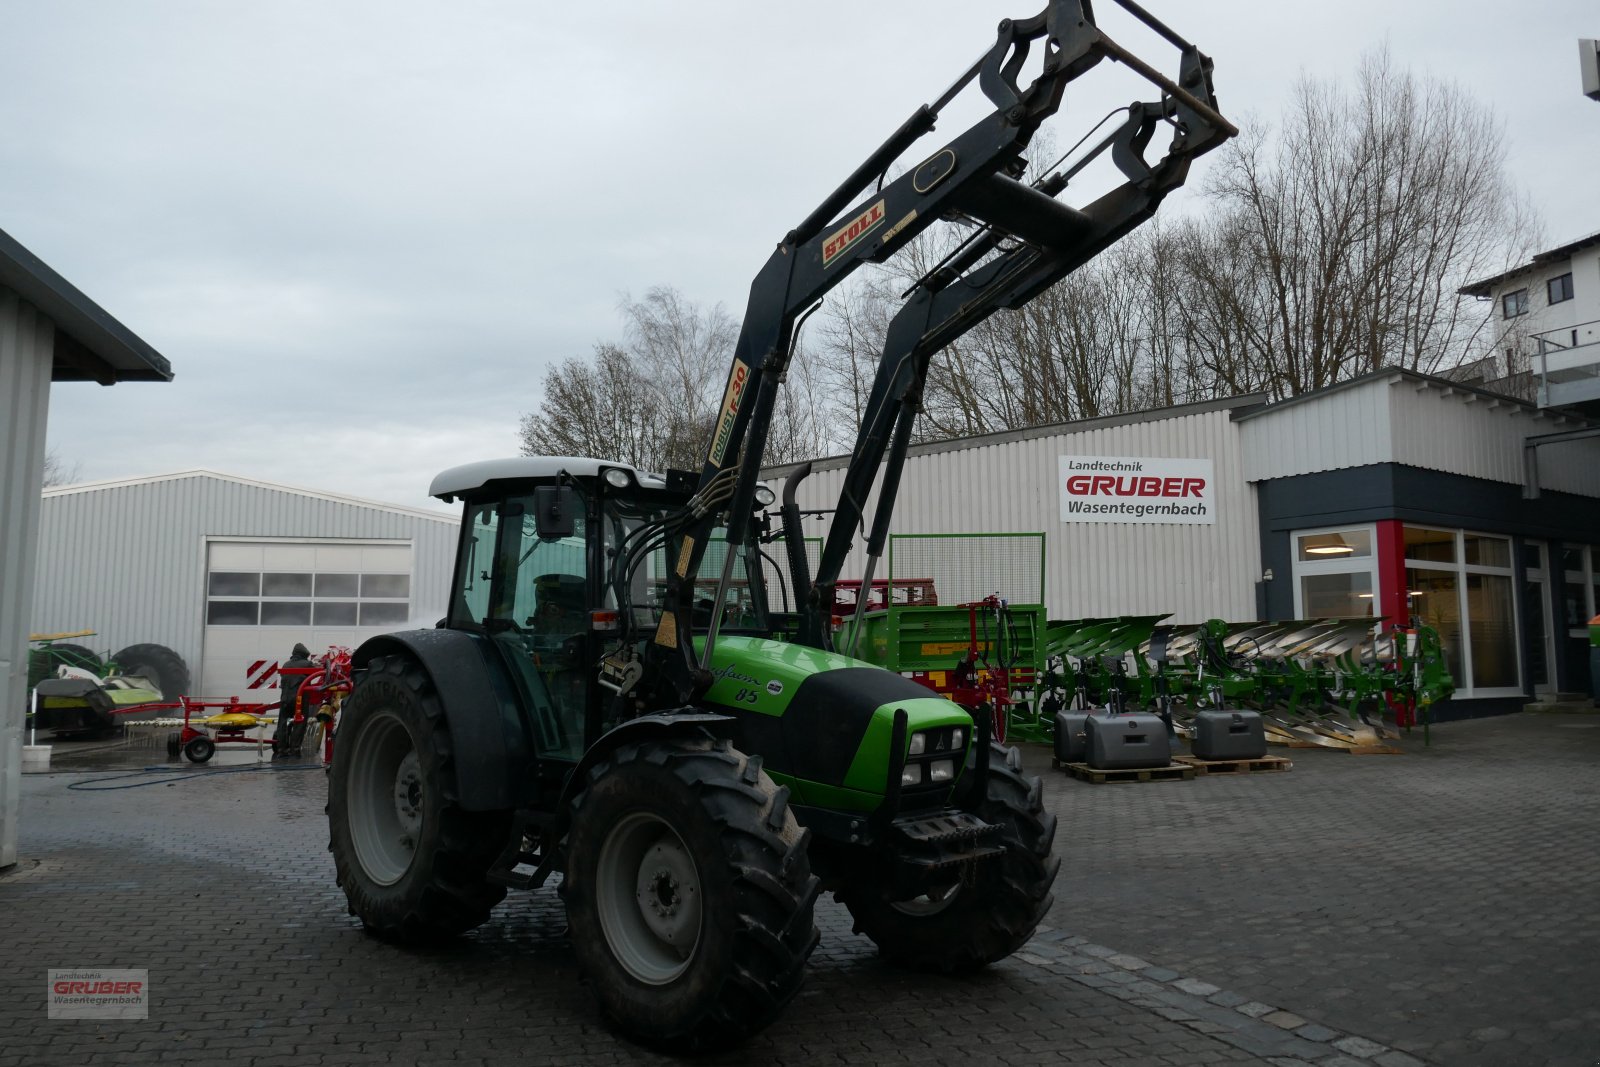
(230,572)
(1395,495)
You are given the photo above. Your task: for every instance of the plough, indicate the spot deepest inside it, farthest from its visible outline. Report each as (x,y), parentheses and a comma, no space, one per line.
(1328,682)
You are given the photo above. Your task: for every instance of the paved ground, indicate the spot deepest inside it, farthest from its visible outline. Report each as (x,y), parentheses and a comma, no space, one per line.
(1435,907)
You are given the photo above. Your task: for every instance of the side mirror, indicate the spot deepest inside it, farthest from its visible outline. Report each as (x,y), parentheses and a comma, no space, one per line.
(555,511)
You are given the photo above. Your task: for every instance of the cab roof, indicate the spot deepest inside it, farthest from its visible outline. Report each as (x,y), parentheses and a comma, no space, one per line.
(469,476)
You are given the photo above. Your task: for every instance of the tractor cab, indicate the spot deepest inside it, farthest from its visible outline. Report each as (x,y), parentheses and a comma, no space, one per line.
(563,561)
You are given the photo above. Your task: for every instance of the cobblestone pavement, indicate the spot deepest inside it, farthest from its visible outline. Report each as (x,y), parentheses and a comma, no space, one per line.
(1436,907)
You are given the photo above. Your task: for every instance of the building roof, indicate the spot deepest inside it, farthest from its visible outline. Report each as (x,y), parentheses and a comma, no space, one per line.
(90,345)
(337,498)
(1445,385)
(1485,286)
(1247,402)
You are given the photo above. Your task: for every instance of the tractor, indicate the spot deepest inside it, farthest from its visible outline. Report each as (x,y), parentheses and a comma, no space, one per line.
(612,699)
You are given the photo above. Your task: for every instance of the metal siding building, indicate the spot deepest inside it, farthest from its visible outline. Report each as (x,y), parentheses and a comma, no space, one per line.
(130,560)
(1010,482)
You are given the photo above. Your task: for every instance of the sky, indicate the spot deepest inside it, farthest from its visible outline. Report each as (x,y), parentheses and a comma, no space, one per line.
(362,232)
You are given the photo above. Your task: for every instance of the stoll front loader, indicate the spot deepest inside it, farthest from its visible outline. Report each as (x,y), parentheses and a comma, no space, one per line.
(611,699)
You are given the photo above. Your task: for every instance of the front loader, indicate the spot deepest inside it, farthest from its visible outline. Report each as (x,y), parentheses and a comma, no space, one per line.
(610,698)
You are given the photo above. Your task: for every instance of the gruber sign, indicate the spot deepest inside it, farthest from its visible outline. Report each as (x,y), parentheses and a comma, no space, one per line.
(1137,489)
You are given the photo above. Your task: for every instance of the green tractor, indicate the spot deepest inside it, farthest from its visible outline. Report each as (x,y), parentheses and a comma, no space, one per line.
(612,698)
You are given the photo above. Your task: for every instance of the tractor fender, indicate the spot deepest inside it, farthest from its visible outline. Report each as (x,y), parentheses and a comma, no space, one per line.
(489,740)
(643,728)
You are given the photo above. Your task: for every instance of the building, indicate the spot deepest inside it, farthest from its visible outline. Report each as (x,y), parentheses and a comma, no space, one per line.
(230,572)
(49,332)
(1395,494)
(1546,323)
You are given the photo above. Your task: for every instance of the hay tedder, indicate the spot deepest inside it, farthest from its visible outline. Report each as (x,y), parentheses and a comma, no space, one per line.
(234,722)
(1338,683)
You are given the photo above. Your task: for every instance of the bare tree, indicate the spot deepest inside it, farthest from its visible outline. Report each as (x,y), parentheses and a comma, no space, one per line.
(651,402)
(57,471)
(1341,244)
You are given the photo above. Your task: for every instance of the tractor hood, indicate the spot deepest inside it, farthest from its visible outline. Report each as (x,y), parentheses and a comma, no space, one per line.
(821,721)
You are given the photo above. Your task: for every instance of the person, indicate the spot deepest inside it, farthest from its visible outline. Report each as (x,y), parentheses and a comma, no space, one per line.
(285,745)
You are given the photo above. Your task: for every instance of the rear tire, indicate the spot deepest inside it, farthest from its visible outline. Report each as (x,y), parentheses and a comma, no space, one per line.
(157,664)
(689,893)
(412,863)
(968,926)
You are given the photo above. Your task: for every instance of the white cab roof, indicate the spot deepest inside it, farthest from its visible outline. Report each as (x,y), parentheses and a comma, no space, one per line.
(470,476)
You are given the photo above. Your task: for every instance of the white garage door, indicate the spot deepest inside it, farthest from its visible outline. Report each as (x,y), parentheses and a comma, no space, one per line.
(263,596)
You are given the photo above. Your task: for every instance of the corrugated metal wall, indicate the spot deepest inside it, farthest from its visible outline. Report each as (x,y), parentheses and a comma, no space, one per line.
(1008,484)
(26,345)
(1419,422)
(129,560)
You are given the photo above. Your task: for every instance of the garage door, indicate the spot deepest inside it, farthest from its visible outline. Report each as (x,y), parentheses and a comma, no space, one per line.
(263,596)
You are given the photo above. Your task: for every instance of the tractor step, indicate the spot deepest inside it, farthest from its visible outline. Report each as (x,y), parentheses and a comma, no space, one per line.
(1236,766)
(1172,772)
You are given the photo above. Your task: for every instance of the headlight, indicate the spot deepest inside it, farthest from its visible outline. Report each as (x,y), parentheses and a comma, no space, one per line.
(956,739)
(912,775)
(765,496)
(618,478)
(919,743)
(942,770)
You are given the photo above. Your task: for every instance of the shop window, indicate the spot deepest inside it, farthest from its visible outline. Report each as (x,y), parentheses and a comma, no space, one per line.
(1434,599)
(1335,573)
(1482,551)
(1430,546)
(1334,545)
(1462,584)
(1514,304)
(1560,288)
(1336,596)
(1492,620)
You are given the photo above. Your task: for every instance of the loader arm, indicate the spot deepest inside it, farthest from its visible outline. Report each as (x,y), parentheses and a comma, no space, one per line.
(973,283)
(974,175)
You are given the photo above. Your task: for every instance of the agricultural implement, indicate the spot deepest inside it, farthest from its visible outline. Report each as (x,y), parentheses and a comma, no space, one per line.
(322,690)
(1328,682)
(79,691)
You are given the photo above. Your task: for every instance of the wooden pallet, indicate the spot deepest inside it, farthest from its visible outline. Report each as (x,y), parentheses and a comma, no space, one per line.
(1236,766)
(1172,772)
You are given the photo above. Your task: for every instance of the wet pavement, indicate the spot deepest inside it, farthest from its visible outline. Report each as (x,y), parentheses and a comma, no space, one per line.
(1434,907)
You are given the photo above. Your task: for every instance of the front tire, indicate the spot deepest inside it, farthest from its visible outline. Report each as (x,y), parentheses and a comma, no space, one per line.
(689,893)
(412,863)
(965,925)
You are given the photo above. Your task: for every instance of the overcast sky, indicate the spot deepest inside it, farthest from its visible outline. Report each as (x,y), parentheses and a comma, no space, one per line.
(361,231)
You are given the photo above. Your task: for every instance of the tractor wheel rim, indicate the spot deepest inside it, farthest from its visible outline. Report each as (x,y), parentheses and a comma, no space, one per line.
(930,903)
(385,799)
(649,898)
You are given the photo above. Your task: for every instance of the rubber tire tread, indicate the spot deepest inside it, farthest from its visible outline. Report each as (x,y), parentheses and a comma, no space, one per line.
(758,898)
(172,671)
(445,892)
(986,922)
